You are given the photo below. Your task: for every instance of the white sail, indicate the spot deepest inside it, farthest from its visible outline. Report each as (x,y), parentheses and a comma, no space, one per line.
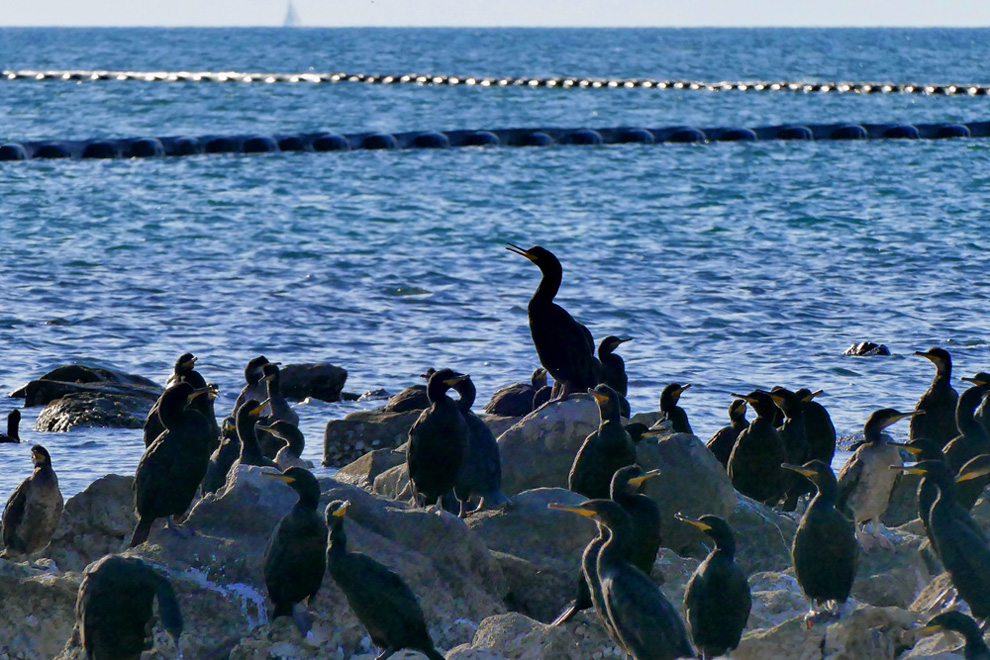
(291,16)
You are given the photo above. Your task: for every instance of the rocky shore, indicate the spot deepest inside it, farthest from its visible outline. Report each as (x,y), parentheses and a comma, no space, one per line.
(487,584)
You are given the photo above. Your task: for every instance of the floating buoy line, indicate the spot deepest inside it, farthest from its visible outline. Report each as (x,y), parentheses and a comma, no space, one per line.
(569,82)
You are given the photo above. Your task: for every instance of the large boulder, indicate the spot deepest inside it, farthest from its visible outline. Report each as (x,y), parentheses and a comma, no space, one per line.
(95,522)
(36,611)
(517,637)
(539,449)
(363,471)
(691,481)
(319,380)
(763,535)
(895,577)
(346,440)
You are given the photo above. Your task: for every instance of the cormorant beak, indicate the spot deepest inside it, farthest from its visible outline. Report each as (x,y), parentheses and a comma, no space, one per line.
(450,382)
(598,396)
(580,510)
(745,397)
(257,411)
(342,509)
(515,249)
(281,477)
(270,430)
(979,382)
(910,470)
(196,393)
(268,377)
(926,631)
(909,448)
(777,398)
(800,469)
(691,521)
(976,472)
(812,395)
(899,416)
(927,355)
(636,481)
(190,363)
(682,388)
(620,340)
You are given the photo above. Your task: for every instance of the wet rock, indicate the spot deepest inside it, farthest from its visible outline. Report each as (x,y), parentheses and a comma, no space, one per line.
(319,380)
(346,440)
(517,637)
(539,449)
(363,471)
(78,378)
(763,535)
(95,522)
(867,349)
(691,481)
(102,409)
(409,399)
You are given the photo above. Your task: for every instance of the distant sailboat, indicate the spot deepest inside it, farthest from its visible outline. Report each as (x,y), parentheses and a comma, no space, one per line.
(291,17)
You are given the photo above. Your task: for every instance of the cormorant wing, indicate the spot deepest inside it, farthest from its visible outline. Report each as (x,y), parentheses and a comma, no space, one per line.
(13,512)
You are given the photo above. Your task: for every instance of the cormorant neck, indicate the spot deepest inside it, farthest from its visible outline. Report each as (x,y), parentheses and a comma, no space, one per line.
(306,503)
(725,546)
(467,392)
(615,548)
(436,391)
(965,409)
(549,284)
(338,539)
(248,436)
(828,490)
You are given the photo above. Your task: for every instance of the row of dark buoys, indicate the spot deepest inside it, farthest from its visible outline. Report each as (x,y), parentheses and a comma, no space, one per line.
(490,81)
(515,137)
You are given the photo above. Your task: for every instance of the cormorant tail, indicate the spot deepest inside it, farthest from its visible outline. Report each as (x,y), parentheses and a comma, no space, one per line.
(141,532)
(168,609)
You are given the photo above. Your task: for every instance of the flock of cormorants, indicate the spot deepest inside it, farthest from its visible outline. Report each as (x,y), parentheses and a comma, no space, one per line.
(453,462)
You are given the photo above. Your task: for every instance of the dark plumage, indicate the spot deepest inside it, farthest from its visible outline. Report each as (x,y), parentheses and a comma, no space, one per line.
(972,439)
(792,431)
(565,347)
(754,464)
(516,400)
(818,425)
(114,608)
(975,648)
(278,408)
(184,371)
(13,422)
(717,600)
(33,509)
(247,432)
(724,439)
(824,552)
(383,603)
(670,411)
(222,458)
(604,451)
(411,398)
(172,468)
(437,441)
(480,473)
(286,443)
(254,388)
(295,559)
(613,370)
(938,403)
(635,612)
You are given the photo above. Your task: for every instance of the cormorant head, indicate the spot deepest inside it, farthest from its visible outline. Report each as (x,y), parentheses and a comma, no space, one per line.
(761,401)
(249,412)
(467,391)
(924,449)
(637,431)
(954,621)
(630,480)
(737,410)
(881,419)
(974,468)
(539,255)
(228,429)
(176,399)
(40,457)
(807,395)
(714,527)
(605,512)
(981,380)
(671,395)
(607,400)
(269,373)
(609,344)
(302,481)
(788,402)
(286,432)
(252,372)
(940,358)
(335,513)
(440,381)
(539,378)
(937,471)
(817,472)
(426,374)
(185,362)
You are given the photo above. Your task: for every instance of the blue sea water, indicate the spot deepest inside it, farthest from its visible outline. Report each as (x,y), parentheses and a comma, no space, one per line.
(733,266)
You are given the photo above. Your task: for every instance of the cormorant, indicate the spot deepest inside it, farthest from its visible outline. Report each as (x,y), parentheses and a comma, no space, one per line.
(565,347)
(437,441)
(975,648)
(279,409)
(184,370)
(938,402)
(246,422)
(717,599)
(722,442)
(172,468)
(13,422)
(222,458)
(114,608)
(626,489)
(295,559)
(604,451)
(818,425)
(613,371)
(383,603)
(637,431)
(33,510)
(866,480)
(972,439)
(288,443)
(754,464)
(670,411)
(792,432)
(410,398)
(481,470)
(824,551)
(516,400)
(636,614)
(255,387)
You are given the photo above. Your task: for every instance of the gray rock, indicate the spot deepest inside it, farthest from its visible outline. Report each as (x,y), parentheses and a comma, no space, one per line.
(892,577)
(101,409)
(363,471)
(36,612)
(903,505)
(763,536)
(94,523)
(77,378)
(320,380)
(516,636)
(348,439)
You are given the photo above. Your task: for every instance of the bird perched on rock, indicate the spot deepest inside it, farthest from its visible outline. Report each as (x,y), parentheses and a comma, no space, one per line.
(972,439)
(754,464)
(172,468)
(246,422)
(670,411)
(818,425)
(295,558)
(114,608)
(938,403)
(255,388)
(383,603)
(13,422)
(722,442)
(278,408)
(222,458)
(565,347)
(866,480)
(604,451)
(975,648)
(33,509)
(516,400)
(824,552)
(717,600)
(613,371)
(437,440)
(792,431)
(634,611)
(184,371)
(480,473)
(287,441)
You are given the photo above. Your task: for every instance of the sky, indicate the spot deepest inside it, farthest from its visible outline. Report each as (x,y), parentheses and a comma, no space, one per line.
(498,13)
